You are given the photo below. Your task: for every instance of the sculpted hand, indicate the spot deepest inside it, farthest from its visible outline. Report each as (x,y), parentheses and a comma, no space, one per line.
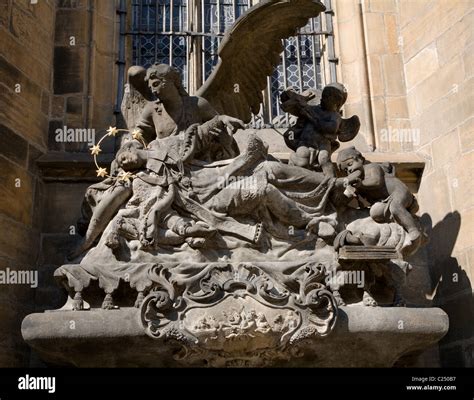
(355,181)
(355,178)
(232,124)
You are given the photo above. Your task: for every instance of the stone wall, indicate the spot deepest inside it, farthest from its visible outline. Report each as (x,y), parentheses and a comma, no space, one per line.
(57,67)
(26,59)
(84,87)
(371,67)
(408,68)
(438,50)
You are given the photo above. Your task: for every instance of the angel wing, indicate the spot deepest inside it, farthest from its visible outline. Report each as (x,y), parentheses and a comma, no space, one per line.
(349,129)
(249,53)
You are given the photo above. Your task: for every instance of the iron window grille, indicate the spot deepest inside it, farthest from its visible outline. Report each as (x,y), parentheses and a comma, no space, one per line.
(186,34)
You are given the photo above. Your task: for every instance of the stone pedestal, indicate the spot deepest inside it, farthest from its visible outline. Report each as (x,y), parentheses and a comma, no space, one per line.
(362,337)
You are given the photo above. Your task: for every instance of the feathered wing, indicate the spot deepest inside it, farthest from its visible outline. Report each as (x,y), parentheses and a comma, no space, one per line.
(249,53)
(349,129)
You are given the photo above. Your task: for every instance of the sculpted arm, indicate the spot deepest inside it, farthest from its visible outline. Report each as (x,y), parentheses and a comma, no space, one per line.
(207,111)
(374,176)
(145,123)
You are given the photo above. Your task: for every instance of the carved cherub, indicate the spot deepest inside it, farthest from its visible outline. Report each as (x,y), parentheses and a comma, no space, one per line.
(319,127)
(291,321)
(389,196)
(262,324)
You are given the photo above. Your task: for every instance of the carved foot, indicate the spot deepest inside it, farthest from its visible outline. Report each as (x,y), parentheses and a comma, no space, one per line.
(77,302)
(108,303)
(368,300)
(139,300)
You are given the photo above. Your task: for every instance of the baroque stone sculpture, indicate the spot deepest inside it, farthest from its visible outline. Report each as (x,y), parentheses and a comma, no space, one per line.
(234,256)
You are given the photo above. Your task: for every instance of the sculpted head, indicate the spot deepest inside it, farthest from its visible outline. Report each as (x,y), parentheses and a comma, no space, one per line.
(131,156)
(350,160)
(333,97)
(164,81)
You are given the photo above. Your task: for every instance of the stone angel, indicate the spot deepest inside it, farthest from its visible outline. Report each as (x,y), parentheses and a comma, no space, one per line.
(319,128)
(187,136)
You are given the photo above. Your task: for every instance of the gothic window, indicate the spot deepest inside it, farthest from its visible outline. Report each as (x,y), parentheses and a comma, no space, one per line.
(187,34)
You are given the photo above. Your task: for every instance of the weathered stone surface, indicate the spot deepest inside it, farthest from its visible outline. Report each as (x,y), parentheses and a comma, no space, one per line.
(106,9)
(421,66)
(384,6)
(24,26)
(104,84)
(21,243)
(106,34)
(69,67)
(466,135)
(102,118)
(468,60)
(354,81)
(45,102)
(449,111)
(410,9)
(26,45)
(33,155)
(393,75)
(61,196)
(74,112)
(436,199)
(71,3)
(22,57)
(53,144)
(466,232)
(445,149)
(43,11)
(443,83)
(39,201)
(71,27)
(54,250)
(397,107)
(392,33)
(351,45)
(13,146)
(421,31)
(455,40)
(376,41)
(363,337)
(20,86)
(33,128)
(57,107)
(380,121)
(16,190)
(377,83)
(5,9)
